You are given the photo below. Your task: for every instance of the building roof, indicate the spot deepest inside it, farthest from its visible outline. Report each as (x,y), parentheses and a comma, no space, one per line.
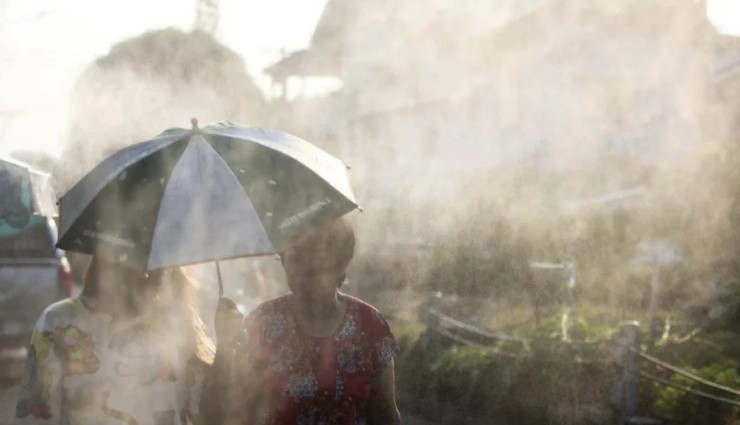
(332,24)
(332,32)
(322,57)
(305,63)
(726,56)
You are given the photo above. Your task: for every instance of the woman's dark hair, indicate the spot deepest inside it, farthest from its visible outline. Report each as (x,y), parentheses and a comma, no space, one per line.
(92,287)
(334,242)
(91,280)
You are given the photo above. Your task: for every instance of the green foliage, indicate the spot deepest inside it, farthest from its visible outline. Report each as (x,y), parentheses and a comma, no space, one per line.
(567,326)
(554,378)
(482,383)
(407,335)
(686,408)
(463,374)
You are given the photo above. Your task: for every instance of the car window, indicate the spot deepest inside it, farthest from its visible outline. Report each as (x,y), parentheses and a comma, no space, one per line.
(37,241)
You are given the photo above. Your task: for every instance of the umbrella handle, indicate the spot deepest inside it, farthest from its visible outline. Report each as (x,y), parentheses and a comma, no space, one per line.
(220,281)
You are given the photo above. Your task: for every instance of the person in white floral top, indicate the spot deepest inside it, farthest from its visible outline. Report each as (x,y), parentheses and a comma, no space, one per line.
(130,349)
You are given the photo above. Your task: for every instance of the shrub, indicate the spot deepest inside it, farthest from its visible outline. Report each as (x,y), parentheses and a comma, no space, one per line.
(547,381)
(686,408)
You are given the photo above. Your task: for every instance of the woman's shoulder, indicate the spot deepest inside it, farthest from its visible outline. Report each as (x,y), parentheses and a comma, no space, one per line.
(366,313)
(279,304)
(61,313)
(360,305)
(377,331)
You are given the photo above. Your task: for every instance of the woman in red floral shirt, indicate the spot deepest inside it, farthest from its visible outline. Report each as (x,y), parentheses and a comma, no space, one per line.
(316,355)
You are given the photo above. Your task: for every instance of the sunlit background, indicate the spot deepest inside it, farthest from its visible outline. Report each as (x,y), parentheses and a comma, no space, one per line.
(545,166)
(45,44)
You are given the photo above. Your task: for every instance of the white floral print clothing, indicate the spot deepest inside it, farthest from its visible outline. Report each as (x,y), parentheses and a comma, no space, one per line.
(84,367)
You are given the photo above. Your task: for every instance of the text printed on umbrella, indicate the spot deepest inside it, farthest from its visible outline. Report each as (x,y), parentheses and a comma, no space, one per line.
(295,218)
(115,240)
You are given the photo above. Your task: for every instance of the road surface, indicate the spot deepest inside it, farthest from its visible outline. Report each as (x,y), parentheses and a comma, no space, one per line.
(9,392)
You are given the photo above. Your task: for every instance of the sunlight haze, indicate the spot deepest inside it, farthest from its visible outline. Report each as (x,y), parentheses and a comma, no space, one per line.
(45,44)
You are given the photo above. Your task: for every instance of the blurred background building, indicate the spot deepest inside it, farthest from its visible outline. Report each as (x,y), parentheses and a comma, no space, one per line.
(433,94)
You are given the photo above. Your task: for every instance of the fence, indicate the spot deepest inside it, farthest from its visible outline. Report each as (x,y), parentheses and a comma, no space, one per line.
(628,356)
(632,358)
(461,332)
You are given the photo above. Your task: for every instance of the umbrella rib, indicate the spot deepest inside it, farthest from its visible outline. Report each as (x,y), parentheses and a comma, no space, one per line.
(260,239)
(156,217)
(243,189)
(286,149)
(98,185)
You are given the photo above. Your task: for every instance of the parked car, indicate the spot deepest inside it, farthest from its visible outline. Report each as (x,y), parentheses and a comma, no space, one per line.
(33,273)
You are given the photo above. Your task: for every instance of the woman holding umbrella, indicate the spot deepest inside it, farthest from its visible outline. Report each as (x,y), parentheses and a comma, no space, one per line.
(130,348)
(316,355)
(227,191)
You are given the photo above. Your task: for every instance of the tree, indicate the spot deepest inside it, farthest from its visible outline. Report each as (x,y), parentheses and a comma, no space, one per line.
(149,83)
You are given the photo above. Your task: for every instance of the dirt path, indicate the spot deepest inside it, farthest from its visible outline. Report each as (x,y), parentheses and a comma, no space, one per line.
(9,393)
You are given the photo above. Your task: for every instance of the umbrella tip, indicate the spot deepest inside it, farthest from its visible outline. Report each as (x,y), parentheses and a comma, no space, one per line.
(194,122)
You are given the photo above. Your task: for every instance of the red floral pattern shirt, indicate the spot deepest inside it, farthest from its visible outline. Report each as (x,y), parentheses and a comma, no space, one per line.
(317,380)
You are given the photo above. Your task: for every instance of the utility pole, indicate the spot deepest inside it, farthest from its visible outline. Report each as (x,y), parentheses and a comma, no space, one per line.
(206,16)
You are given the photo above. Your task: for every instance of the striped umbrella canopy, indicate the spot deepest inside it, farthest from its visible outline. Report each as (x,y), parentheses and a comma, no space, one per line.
(201,195)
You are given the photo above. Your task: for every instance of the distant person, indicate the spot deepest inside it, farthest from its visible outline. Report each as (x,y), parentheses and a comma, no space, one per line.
(316,355)
(130,349)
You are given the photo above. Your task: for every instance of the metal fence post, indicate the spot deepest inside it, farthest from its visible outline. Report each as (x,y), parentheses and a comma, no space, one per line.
(432,304)
(654,302)
(431,321)
(624,395)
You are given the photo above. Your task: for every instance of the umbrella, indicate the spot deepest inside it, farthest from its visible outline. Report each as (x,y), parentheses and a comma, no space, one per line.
(26,197)
(201,195)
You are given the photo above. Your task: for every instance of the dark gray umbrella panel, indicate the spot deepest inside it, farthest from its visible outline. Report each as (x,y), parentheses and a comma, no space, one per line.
(188,197)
